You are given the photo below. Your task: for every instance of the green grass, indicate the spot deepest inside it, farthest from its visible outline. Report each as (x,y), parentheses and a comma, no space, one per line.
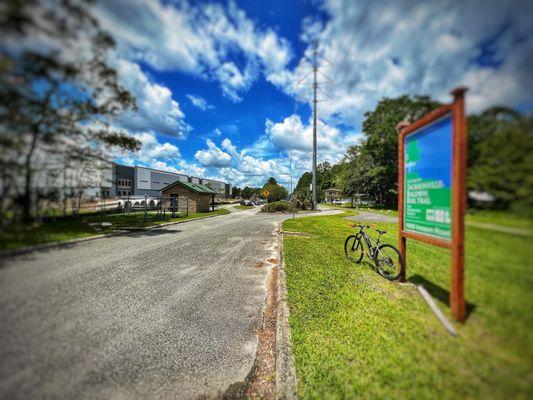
(356,335)
(504,218)
(239,207)
(347,207)
(74,228)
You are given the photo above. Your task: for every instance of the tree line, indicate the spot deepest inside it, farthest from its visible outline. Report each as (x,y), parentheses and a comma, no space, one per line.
(55,104)
(276,192)
(500,144)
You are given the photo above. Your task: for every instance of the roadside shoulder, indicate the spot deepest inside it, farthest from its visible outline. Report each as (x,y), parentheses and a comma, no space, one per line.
(285,370)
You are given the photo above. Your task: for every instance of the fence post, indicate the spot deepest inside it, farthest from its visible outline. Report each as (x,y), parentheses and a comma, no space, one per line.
(174,203)
(145,207)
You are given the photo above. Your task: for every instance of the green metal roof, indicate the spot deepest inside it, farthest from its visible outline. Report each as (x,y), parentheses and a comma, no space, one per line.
(195,187)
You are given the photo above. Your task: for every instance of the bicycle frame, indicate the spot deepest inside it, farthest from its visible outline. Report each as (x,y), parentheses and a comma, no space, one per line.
(370,244)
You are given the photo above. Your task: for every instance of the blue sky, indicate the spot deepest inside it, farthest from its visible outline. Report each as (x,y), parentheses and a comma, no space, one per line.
(216,81)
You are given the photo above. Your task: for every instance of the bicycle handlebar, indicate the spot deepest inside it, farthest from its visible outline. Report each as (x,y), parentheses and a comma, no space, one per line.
(361,226)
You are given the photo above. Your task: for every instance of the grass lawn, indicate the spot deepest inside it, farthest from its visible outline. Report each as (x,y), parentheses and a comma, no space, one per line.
(347,207)
(239,207)
(75,228)
(357,335)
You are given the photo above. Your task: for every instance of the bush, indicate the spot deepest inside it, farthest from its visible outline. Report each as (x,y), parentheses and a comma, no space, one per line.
(278,206)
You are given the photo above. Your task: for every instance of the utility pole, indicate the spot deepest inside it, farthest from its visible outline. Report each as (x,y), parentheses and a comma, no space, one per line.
(315,87)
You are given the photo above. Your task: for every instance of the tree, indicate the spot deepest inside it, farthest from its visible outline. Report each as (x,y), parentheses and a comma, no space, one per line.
(271,181)
(500,157)
(500,144)
(276,192)
(236,192)
(249,192)
(57,99)
(374,166)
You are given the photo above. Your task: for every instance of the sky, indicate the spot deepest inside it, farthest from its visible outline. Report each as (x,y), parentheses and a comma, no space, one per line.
(224,89)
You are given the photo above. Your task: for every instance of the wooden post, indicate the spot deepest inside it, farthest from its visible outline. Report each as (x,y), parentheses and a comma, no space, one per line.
(457,299)
(402,241)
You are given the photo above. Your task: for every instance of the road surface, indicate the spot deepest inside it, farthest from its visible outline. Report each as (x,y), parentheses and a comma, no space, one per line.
(166,313)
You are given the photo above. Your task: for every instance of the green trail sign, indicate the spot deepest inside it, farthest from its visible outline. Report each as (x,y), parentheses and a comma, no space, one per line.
(428,176)
(432,188)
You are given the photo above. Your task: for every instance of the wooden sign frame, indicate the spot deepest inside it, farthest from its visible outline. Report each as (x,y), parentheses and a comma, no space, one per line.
(458,200)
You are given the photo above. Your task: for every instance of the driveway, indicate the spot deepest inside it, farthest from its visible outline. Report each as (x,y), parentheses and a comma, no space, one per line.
(166,313)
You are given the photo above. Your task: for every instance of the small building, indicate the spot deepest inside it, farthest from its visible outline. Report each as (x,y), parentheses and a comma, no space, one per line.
(186,196)
(332,195)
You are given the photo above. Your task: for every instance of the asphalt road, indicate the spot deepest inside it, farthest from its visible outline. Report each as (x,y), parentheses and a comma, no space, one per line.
(167,313)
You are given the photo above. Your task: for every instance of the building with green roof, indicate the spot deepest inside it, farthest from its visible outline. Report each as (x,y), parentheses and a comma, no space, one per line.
(189,197)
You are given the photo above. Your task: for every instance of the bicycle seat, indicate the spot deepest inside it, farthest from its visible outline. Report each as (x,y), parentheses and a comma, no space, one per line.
(380,231)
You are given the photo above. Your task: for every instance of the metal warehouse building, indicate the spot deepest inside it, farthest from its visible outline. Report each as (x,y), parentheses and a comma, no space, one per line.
(140,181)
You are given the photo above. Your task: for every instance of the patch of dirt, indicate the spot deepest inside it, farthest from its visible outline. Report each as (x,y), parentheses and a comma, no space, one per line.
(260,264)
(273,260)
(262,384)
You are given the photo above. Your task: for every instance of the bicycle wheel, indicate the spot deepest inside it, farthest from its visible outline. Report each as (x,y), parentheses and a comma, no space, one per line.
(353,248)
(389,262)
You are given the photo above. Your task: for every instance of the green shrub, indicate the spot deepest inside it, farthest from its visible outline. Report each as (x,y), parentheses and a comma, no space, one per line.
(278,206)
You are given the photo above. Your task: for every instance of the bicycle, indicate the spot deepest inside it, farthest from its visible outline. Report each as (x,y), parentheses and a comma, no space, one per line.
(387,258)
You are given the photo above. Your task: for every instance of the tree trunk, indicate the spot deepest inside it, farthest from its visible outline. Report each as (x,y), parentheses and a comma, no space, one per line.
(26,198)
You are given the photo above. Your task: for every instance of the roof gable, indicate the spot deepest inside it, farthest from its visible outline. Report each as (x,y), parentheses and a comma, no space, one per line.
(195,187)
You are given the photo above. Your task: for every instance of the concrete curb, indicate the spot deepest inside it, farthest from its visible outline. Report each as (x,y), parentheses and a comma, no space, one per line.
(44,246)
(285,370)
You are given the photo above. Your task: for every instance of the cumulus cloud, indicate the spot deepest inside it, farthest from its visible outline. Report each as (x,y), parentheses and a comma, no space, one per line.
(386,49)
(199,102)
(292,134)
(230,147)
(153,149)
(157,110)
(193,169)
(196,40)
(213,156)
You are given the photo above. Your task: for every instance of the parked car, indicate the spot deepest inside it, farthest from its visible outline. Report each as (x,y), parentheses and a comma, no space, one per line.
(246,202)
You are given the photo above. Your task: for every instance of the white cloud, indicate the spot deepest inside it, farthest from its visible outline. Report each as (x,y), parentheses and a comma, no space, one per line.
(199,102)
(192,169)
(229,147)
(157,110)
(213,156)
(196,40)
(386,49)
(153,149)
(292,134)
(232,81)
